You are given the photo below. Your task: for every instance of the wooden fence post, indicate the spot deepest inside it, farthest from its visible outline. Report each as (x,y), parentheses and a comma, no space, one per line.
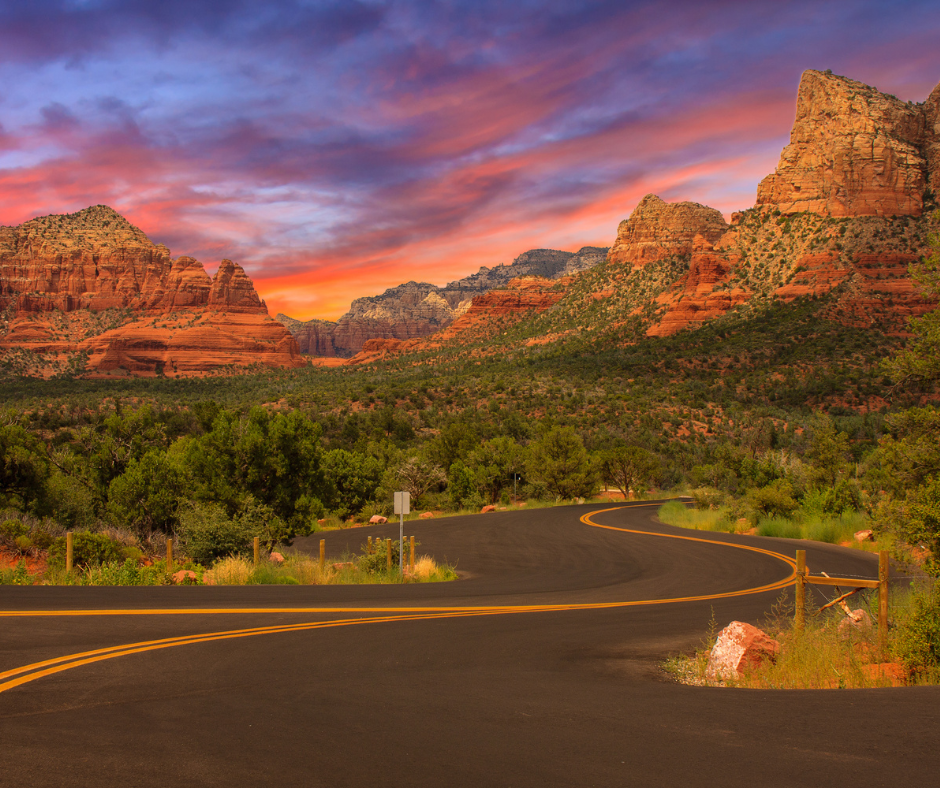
(411,563)
(257,550)
(800,589)
(388,550)
(69,552)
(883,601)
(322,553)
(169,555)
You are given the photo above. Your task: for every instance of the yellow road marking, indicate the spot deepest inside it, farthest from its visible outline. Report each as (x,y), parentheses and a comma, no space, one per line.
(586,519)
(27,673)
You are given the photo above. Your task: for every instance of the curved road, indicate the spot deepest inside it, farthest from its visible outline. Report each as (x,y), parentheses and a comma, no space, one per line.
(540,667)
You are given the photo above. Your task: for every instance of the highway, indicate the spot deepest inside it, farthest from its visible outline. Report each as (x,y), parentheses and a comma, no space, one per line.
(541,666)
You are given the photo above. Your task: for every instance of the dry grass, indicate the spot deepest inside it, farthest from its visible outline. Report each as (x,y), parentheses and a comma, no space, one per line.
(424,569)
(231,571)
(301,569)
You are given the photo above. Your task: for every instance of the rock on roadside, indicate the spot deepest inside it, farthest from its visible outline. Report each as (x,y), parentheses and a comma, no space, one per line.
(739,646)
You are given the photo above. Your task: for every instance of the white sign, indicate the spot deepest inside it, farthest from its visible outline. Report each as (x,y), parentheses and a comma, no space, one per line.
(402,503)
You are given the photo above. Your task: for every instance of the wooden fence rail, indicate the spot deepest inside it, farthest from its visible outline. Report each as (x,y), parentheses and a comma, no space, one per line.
(803,577)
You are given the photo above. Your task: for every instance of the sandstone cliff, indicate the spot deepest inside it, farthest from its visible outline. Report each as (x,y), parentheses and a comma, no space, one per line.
(855,152)
(408,311)
(89,291)
(314,337)
(657,230)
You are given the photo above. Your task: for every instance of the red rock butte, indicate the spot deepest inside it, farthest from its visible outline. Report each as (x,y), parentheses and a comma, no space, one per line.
(89,293)
(836,215)
(855,152)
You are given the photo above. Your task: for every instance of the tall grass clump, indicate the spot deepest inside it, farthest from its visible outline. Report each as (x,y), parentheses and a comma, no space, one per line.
(828,527)
(233,570)
(779,527)
(678,514)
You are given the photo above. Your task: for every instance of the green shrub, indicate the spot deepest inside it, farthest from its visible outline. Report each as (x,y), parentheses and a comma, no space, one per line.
(208,533)
(707,498)
(17,576)
(774,500)
(11,530)
(678,514)
(374,558)
(266,574)
(844,496)
(918,635)
(824,530)
(23,543)
(128,573)
(88,549)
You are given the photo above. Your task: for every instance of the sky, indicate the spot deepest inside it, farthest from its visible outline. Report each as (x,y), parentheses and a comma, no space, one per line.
(335,149)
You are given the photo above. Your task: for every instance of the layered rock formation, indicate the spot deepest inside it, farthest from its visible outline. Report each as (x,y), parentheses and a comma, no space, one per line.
(657,229)
(863,259)
(90,285)
(419,309)
(498,309)
(492,312)
(314,337)
(700,295)
(842,212)
(408,311)
(855,152)
(932,138)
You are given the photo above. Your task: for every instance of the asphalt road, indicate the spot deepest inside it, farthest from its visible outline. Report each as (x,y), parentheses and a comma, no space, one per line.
(541,667)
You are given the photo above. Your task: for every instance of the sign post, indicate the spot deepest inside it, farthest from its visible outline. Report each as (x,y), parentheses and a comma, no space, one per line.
(402,507)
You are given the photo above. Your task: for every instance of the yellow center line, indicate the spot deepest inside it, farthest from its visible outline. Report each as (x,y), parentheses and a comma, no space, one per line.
(18,676)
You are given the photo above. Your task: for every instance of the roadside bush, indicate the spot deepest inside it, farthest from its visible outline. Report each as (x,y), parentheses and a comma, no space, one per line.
(374,557)
(16,576)
(843,497)
(88,549)
(678,514)
(707,498)
(14,534)
(918,635)
(461,492)
(208,533)
(824,530)
(128,573)
(72,502)
(10,529)
(230,571)
(774,500)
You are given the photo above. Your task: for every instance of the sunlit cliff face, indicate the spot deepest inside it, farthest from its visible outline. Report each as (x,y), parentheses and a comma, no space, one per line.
(338,149)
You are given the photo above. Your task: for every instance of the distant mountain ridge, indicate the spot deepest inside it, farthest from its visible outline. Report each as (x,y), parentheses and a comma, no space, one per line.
(419,309)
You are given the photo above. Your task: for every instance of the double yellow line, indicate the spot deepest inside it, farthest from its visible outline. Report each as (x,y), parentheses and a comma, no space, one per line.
(19,676)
